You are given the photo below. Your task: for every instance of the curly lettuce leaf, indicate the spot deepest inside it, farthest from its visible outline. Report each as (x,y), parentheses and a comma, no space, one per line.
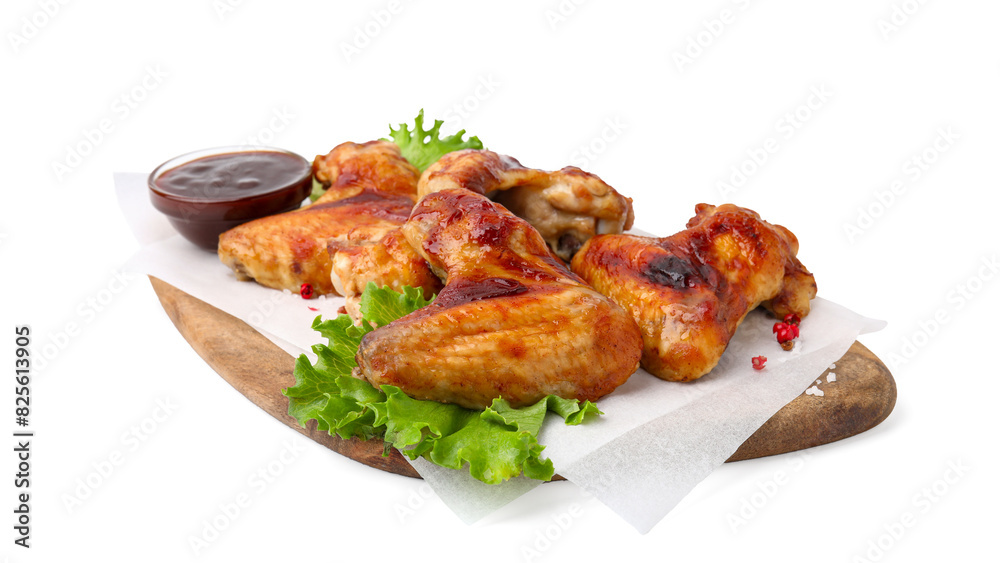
(497,443)
(326,392)
(381,306)
(423,147)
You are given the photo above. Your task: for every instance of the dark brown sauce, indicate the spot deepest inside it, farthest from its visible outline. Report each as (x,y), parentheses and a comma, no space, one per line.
(231,176)
(205,197)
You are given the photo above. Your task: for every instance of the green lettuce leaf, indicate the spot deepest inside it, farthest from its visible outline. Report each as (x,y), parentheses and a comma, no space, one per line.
(326,392)
(382,306)
(318,190)
(423,147)
(497,443)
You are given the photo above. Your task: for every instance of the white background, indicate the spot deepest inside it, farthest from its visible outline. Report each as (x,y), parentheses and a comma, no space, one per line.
(536,80)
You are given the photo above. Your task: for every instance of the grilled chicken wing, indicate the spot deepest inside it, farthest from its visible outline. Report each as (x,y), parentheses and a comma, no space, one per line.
(511,321)
(351,168)
(567,206)
(390,261)
(690,291)
(371,189)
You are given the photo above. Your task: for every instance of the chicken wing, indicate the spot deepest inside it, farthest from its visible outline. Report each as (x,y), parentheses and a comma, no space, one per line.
(351,168)
(511,321)
(567,206)
(371,189)
(389,261)
(690,291)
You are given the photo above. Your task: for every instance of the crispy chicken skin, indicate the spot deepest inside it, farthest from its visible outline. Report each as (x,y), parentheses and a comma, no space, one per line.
(390,261)
(376,165)
(690,291)
(511,321)
(567,206)
(371,189)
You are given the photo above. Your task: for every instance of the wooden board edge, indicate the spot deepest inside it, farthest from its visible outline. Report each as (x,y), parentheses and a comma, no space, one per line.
(832,417)
(262,369)
(268,370)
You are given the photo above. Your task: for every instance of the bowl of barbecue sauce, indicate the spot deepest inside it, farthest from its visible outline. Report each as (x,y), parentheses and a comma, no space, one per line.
(205,193)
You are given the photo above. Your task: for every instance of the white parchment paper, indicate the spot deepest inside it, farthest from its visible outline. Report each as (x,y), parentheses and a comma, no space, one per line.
(656,441)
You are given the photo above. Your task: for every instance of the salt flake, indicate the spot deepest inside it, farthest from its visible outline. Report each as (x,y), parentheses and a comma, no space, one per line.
(831,377)
(814,391)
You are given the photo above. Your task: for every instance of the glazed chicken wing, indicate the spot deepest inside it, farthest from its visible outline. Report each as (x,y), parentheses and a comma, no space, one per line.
(389,261)
(567,206)
(690,291)
(511,321)
(351,168)
(371,189)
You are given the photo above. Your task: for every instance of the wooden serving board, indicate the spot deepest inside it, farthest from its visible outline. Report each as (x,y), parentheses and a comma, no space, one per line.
(863,395)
